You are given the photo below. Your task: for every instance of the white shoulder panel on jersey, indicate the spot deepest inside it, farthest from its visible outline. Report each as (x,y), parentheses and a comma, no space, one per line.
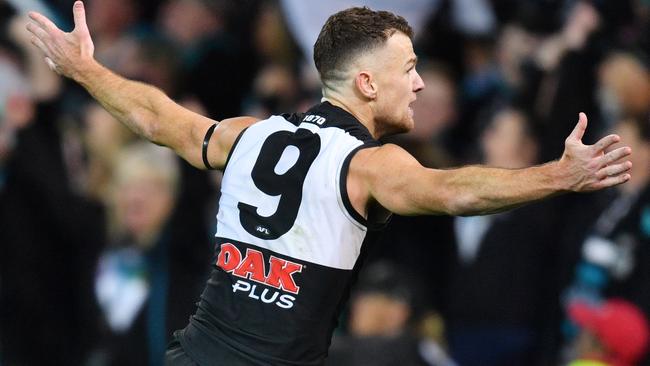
(323,232)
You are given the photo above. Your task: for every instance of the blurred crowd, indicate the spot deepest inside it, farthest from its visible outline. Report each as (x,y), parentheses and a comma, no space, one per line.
(105,240)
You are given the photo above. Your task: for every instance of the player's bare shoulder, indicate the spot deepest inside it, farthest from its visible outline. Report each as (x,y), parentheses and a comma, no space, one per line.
(376,172)
(225,135)
(230,128)
(381,161)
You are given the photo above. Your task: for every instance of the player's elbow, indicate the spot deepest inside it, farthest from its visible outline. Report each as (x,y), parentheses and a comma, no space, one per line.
(446,196)
(148,116)
(461,204)
(465,205)
(144,124)
(439,202)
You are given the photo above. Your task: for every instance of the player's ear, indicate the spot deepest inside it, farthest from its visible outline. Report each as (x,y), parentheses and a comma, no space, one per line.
(365,84)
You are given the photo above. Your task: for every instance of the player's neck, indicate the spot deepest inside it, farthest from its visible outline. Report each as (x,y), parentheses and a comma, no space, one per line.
(362,113)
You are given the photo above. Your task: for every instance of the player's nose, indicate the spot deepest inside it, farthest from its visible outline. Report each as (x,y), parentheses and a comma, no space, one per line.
(418,83)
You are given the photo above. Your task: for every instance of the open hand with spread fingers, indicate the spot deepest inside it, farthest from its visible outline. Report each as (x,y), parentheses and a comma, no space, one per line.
(65,53)
(593,167)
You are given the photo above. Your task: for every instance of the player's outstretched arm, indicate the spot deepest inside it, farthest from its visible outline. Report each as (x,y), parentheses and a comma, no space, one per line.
(395,180)
(144,109)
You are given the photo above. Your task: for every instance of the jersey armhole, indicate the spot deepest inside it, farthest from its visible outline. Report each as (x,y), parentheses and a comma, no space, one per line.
(343,190)
(232,149)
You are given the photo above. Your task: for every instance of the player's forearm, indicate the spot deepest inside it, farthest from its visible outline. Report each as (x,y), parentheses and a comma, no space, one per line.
(477,190)
(132,103)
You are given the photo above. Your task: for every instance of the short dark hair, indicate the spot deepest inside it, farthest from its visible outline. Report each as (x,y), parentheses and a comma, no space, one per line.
(351,31)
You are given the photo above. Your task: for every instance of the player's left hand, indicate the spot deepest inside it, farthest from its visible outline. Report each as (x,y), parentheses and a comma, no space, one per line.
(591,167)
(65,53)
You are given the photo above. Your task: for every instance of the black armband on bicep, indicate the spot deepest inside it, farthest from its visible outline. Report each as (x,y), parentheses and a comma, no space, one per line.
(206,142)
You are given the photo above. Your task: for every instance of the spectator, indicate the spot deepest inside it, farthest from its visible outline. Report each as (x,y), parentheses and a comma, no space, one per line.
(631,234)
(615,253)
(499,296)
(22,86)
(218,67)
(559,78)
(48,231)
(614,333)
(384,311)
(624,88)
(147,278)
(111,19)
(275,90)
(103,139)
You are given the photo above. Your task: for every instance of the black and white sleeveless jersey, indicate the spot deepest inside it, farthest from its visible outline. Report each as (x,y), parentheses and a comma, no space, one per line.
(288,243)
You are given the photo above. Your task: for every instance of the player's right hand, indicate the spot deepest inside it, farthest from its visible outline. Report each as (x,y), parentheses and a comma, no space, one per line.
(65,53)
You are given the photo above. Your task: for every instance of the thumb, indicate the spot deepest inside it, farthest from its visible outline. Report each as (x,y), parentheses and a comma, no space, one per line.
(580,128)
(79,16)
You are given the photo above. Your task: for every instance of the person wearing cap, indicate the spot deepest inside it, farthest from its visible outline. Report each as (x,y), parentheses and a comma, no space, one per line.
(614,333)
